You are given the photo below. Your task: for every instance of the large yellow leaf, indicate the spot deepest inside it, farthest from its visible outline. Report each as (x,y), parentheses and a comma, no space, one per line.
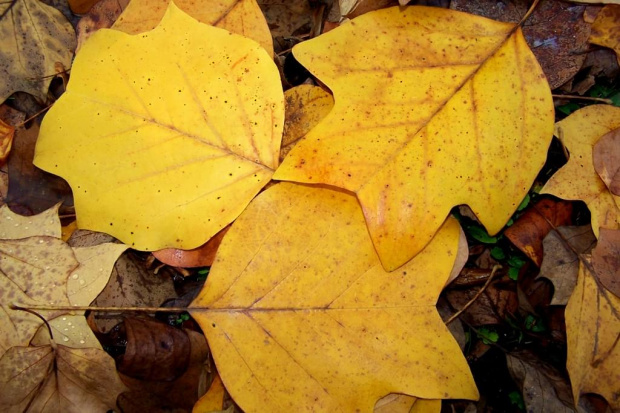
(35,37)
(165,136)
(592,336)
(243,17)
(301,316)
(434,108)
(578,180)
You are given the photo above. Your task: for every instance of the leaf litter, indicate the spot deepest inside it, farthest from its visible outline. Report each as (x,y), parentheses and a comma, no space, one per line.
(531,321)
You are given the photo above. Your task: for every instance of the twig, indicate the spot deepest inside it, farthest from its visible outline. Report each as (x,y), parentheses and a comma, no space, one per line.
(603,100)
(33,116)
(28,310)
(529,12)
(466,306)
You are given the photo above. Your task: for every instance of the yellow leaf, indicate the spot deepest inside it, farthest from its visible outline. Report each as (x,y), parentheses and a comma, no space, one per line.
(592,333)
(7,132)
(58,379)
(395,403)
(213,399)
(578,180)
(242,17)
(305,107)
(301,316)
(34,37)
(434,108)
(605,30)
(177,142)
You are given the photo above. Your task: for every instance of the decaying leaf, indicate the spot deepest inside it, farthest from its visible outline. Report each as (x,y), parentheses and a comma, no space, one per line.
(425,112)
(560,264)
(101,16)
(305,107)
(242,17)
(213,399)
(81,6)
(29,187)
(175,147)
(543,387)
(37,267)
(578,180)
(606,159)
(528,232)
(606,260)
(593,330)
(34,37)
(314,322)
(58,379)
(606,28)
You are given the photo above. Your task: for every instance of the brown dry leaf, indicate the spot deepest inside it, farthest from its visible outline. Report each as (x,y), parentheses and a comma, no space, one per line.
(606,159)
(528,232)
(544,389)
(81,6)
(34,37)
(304,107)
(155,351)
(30,187)
(606,29)
(6,141)
(353,8)
(578,180)
(242,17)
(101,16)
(202,256)
(593,333)
(182,393)
(285,19)
(606,260)
(131,285)
(556,32)
(560,264)
(58,379)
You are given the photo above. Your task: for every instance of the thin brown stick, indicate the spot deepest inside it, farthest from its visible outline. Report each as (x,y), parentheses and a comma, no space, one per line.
(466,306)
(29,310)
(529,12)
(602,100)
(33,116)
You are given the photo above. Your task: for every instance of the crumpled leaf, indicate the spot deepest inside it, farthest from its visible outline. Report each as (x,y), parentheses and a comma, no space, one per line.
(58,379)
(315,323)
(606,260)
(424,114)
(605,29)
(592,333)
(578,180)
(34,37)
(560,264)
(544,389)
(306,106)
(606,159)
(175,147)
(242,17)
(528,232)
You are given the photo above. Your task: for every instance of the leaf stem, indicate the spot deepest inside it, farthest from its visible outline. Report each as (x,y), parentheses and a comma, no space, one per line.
(31,311)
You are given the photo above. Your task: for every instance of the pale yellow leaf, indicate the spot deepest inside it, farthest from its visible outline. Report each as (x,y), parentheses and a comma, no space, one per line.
(14,226)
